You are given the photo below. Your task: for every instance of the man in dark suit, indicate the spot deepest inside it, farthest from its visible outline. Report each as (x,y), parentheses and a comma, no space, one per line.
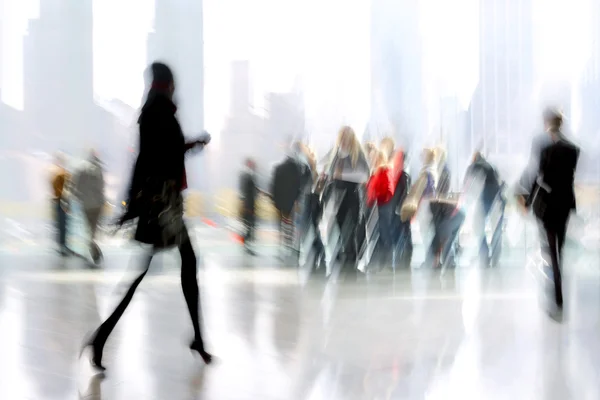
(248,195)
(286,187)
(552,193)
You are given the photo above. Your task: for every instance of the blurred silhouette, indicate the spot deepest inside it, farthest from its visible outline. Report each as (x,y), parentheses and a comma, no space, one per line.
(347,170)
(287,185)
(482,171)
(155,200)
(380,190)
(88,189)
(551,195)
(60,178)
(248,194)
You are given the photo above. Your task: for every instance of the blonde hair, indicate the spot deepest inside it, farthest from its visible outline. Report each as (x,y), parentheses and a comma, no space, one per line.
(355,147)
(428,156)
(387,145)
(379,159)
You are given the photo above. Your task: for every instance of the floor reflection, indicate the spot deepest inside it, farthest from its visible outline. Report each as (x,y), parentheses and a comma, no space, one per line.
(469,334)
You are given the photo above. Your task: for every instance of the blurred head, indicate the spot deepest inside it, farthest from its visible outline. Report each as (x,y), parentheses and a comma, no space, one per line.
(347,144)
(93,156)
(477,156)
(387,146)
(250,164)
(162,79)
(553,120)
(428,156)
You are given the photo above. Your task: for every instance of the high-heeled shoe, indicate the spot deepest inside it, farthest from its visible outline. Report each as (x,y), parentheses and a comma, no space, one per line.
(206,357)
(96,357)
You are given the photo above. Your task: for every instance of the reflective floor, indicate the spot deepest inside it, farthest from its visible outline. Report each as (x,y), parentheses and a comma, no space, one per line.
(280,333)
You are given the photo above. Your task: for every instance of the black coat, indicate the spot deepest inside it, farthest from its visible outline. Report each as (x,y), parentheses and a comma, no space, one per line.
(248,192)
(557,165)
(287,184)
(158,176)
(161,156)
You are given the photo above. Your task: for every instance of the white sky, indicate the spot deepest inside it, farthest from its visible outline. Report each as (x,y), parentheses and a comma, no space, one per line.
(326,43)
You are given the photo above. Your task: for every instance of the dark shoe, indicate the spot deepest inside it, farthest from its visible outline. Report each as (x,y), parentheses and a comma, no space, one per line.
(206,357)
(96,357)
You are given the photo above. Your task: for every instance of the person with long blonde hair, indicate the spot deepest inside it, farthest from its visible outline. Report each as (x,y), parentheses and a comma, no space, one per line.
(348,169)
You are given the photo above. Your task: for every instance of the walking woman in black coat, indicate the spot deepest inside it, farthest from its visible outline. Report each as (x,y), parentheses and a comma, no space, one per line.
(155,201)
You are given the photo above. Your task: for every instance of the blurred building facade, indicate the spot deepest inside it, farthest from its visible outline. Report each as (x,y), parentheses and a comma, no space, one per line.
(396,72)
(499,107)
(589,132)
(178,40)
(264,136)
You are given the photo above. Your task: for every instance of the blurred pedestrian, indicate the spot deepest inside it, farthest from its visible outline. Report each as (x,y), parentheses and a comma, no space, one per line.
(60,178)
(88,189)
(287,185)
(551,196)
(155,200)
(248,195)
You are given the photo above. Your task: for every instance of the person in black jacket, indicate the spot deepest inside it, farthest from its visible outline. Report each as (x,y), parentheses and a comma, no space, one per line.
(551,195)
(286,187)
(156,202)
(249,193)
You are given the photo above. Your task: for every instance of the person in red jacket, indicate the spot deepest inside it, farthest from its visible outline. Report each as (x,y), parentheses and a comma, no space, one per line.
(380,188)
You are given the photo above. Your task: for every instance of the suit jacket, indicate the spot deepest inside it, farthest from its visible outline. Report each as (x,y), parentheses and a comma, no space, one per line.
(286,185)
(248,191)
(556,176)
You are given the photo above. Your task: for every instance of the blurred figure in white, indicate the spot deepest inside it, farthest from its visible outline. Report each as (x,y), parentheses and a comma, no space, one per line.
(484,177)
(88,189)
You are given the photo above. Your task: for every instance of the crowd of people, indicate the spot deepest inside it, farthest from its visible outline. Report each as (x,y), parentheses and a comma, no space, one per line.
(356,205)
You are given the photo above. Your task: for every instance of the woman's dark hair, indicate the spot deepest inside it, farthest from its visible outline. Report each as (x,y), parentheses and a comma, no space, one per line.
(161,74)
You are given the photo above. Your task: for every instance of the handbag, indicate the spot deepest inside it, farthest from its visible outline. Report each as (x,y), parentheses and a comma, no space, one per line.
(162,222)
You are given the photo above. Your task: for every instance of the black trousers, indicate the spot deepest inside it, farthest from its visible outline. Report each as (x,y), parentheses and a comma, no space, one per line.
(249,220)
(552,236)
(61,224)
(348,216)
(189,284)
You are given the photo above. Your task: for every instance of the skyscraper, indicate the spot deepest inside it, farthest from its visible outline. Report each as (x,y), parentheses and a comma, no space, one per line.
(589,132)
(396,61)
(178,40)
(58,87)
(506,76)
